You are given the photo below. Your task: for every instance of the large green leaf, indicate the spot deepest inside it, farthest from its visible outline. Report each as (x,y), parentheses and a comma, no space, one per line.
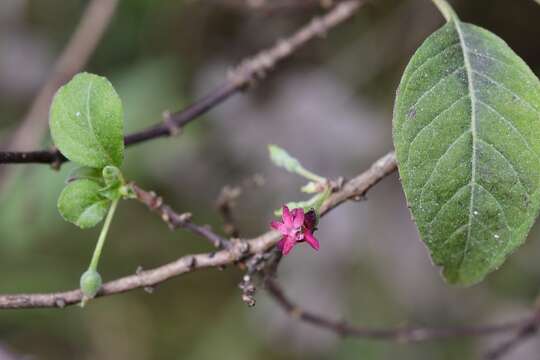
(87,123)
(467,138)
(81,203)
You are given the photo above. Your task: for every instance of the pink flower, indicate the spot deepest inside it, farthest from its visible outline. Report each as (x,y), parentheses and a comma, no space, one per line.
(296,227)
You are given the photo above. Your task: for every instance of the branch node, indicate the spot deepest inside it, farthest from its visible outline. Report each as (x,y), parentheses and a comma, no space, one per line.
(185,217)
(191,263)
(60,303)
(243,246)
(337,184)
(155,201)
(360,197)
(248,290)
(319,27)
(56,164)
(296,312)
(167,219)
(172,127)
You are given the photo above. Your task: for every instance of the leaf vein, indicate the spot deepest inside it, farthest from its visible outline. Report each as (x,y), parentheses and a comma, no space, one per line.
(431,122)
(458,191)
(509,123)
(427,61)
(495,82)
(439,161)
(444,78)
(491,146)
(503,213)
(486,56)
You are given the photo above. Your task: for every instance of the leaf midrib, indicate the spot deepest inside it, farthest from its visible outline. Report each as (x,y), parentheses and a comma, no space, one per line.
(472,94)
(89,121)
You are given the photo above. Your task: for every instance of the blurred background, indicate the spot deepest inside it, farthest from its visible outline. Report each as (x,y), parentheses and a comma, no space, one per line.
(330,105)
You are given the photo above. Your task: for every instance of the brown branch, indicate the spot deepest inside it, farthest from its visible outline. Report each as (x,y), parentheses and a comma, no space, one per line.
(248,72)
(357,187)
(82,44)
(399,334)
(526,331)
(176,220)
(270,7)
(225,204)
(236,249)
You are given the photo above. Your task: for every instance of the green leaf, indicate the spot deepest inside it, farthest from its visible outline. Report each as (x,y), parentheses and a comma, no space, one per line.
(80,203)
(281,158)
(87,121)
(467,138)
(84,172)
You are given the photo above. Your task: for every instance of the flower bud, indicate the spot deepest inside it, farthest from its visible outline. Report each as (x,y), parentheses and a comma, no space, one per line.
(112,176)
(90,283)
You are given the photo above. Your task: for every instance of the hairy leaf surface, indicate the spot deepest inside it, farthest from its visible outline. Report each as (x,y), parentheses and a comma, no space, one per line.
(80,203)
(86,121)
(467,138)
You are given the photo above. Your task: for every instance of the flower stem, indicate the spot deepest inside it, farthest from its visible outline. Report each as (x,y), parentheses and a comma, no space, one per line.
(309,175)
(321,198)
(102,237)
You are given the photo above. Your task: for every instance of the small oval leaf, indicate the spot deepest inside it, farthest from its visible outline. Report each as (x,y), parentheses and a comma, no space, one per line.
(80,203)
(281,158)
(87,121)
(467,137)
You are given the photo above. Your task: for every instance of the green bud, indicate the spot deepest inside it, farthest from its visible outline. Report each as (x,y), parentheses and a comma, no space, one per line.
(311,187)
(281,158)
(127,192)
(90,283)
(112,176)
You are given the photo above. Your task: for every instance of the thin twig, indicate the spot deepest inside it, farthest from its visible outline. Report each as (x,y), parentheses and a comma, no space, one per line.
(525,332)
(242,249)
(238,249)
(225,204)
(176,220)
(248,72)
(399,334)
(268,7)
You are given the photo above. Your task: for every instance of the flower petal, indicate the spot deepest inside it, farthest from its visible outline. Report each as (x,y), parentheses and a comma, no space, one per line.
(279,226)
(287,218)
(310,239)
(281,243)
(288,245)
(298,217)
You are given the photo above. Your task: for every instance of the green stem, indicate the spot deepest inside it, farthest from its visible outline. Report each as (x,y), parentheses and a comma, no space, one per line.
(445,8)
(321,198)
(102,237)
(309,175)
